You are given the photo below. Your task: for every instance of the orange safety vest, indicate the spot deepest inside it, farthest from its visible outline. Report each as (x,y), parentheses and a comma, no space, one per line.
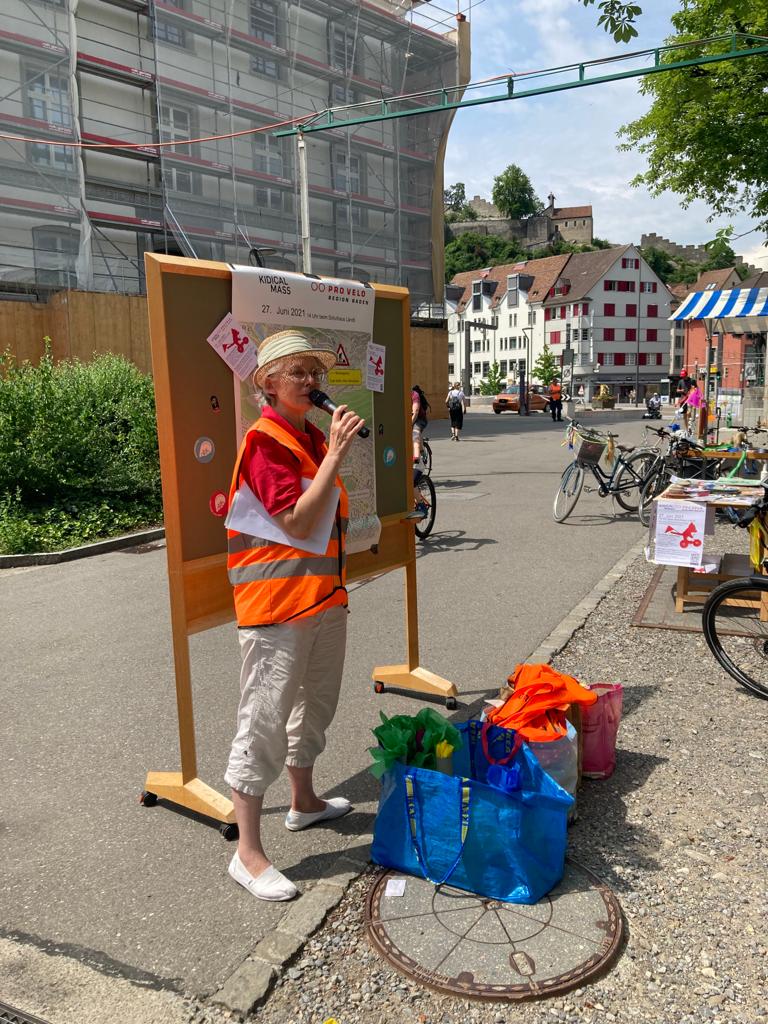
(275,582)
(555,392)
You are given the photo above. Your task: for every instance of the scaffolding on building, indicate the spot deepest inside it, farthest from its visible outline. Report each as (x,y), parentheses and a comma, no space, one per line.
(167,71)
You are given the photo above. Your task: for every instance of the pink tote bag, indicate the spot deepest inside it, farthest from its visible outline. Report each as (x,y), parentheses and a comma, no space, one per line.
(600,726)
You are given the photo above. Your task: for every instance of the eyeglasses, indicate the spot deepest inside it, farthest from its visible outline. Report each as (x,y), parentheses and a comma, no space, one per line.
(300,375)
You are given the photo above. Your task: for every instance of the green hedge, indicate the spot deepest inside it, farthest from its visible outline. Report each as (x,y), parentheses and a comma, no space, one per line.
(78,452)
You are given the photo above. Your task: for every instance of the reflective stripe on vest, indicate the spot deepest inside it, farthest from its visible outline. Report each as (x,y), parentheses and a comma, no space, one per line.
(275,582)
(285,568)
(237,542)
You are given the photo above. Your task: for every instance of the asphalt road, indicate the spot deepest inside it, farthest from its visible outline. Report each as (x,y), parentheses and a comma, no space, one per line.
(89,706)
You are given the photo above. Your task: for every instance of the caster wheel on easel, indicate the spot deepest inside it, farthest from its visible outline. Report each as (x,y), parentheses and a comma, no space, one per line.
(230,831)
(148,799)
(450,703)
(379,688)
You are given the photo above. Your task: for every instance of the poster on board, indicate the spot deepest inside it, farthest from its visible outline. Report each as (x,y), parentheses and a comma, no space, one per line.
(335,314)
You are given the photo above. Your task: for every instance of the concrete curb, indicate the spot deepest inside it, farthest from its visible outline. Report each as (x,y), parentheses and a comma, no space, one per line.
(100,547)
(250,983)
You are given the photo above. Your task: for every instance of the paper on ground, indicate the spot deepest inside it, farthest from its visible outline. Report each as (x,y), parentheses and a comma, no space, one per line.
(248,515)
(395,887)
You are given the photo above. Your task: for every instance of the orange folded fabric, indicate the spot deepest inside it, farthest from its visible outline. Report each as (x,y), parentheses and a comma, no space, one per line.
(541,696)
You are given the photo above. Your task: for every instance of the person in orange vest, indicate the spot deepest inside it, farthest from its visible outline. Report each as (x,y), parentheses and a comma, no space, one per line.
(290,599)
(556,400)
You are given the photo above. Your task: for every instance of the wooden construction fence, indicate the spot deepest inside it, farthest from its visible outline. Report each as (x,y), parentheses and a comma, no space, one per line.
(84,324)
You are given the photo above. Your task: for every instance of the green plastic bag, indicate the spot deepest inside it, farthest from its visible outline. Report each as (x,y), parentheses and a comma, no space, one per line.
(411,740)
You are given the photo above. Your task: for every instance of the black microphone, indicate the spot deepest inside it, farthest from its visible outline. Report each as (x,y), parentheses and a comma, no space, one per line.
(322,401)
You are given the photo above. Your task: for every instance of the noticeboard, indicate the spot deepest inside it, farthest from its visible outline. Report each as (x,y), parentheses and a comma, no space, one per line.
(196,404)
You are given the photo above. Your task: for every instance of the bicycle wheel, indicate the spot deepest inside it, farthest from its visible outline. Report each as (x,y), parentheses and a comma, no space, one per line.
(641,463)
(652,488)
(426,457)
(568,492)
(428,498)
(735,634)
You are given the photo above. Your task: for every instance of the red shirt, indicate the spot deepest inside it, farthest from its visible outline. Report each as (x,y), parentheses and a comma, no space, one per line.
(271,471)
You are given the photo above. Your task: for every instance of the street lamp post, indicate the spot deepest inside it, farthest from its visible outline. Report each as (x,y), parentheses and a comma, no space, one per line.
(523,399)
(467,349)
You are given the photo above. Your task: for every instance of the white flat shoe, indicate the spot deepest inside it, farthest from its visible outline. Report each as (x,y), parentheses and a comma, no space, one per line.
(337,807)
(269,885)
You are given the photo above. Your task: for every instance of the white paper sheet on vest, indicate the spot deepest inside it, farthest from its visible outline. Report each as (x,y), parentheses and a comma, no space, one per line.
(335,314)
(248,515)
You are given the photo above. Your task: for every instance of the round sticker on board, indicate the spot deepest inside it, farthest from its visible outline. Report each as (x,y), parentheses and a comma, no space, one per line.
(389,456)
(205,449)
(218,503)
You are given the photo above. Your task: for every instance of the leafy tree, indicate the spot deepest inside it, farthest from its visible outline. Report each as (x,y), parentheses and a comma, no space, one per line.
(660,262)
(455,204)
(493,383)
(684,272)
(473,251)
(720,253)
(545,368)
(617,18)
(455,196)
(706,134)
(456,216)
(513,194)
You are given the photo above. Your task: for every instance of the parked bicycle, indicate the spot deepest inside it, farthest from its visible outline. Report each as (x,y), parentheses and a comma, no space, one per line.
(735,620)
(685,457)
(629,470)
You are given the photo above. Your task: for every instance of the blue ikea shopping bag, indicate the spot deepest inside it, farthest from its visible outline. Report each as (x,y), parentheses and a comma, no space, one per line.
(504,842)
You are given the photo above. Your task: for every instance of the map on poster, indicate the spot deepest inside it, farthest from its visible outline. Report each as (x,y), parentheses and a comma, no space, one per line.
(333,314)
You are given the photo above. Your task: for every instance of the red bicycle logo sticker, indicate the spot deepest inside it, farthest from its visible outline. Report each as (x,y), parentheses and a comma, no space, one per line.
(687,536)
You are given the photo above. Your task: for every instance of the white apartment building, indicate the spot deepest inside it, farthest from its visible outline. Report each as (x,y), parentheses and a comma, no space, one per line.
(607,308)
(152,72)
(508,301)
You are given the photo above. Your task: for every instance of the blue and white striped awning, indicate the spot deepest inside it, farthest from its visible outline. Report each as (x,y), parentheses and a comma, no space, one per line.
(737,311)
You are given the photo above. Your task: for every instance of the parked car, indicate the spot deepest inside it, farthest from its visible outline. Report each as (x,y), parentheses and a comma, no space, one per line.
(509,399)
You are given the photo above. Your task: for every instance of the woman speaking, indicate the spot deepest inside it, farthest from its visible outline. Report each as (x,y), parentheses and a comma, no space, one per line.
(290,599)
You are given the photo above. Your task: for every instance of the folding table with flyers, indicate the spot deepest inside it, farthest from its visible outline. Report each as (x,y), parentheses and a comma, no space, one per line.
(698,574)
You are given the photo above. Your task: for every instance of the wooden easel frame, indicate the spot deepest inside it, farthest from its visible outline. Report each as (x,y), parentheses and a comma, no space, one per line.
(200,593)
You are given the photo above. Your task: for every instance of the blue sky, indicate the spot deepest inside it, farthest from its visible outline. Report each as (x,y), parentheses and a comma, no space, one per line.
(566,142)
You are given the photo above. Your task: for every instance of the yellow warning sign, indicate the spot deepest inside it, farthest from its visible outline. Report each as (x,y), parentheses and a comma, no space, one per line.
(350,377)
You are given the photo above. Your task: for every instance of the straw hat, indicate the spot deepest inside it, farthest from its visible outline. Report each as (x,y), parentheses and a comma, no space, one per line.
(289,343)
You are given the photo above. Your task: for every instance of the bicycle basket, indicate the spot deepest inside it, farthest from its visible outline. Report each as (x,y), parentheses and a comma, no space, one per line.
(589,450)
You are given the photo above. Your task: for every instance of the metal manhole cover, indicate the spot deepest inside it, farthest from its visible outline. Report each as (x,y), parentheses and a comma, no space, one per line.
(10,1015)
(465,945)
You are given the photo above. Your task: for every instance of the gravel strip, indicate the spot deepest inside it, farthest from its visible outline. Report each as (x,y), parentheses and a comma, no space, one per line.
(679,833)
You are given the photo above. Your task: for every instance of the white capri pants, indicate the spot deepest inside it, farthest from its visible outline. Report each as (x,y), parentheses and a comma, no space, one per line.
(289,688)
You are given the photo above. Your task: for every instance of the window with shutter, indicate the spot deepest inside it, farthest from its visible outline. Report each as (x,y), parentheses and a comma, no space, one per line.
(609,309)
(653,311)
(630,334)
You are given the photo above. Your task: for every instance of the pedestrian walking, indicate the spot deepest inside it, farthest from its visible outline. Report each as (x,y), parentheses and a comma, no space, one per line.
(457,406)
(291,605)
(556,400)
